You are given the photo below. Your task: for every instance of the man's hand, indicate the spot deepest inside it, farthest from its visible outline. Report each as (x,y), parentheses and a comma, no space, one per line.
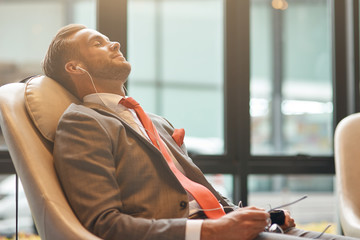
(289,221)
(242,224)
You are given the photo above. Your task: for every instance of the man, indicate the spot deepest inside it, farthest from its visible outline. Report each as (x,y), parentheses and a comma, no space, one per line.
(120,177)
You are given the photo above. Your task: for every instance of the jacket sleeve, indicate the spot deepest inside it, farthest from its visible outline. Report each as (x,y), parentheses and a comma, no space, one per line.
(84,161)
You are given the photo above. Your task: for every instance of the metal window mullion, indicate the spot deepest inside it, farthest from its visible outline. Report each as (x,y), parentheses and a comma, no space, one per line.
(17,206)
(159,37)
(237,79)
(356,54)
(277,119)
(112,21)
(343,77)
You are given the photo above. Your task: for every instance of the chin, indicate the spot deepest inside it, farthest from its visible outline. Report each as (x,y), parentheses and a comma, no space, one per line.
(124,74)
(128,64)
(128,69)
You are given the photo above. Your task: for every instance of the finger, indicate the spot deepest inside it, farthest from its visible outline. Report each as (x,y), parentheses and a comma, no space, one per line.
(254,208)
(253,215)
(289,222)
(287,212)
(292,223)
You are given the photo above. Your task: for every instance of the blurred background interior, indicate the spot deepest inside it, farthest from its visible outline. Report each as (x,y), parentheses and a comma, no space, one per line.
(255,84)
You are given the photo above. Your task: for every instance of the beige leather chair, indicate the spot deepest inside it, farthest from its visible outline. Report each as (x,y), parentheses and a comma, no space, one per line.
(29,114)
(347,163)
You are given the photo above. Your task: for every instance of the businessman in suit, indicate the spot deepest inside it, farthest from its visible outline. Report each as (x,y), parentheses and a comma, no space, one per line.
(116,177)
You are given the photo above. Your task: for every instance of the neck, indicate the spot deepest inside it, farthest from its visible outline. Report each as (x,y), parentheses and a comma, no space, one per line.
(110,87)
(85,86)
(115,86)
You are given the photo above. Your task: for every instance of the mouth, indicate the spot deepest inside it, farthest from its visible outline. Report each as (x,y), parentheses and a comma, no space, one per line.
(119,56)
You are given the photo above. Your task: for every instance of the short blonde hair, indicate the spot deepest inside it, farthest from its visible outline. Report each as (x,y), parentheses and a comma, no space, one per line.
(60,51)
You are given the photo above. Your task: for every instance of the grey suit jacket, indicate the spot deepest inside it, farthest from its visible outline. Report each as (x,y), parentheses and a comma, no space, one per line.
(118,184)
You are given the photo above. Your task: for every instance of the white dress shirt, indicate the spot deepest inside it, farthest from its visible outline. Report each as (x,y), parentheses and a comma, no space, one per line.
(193,227)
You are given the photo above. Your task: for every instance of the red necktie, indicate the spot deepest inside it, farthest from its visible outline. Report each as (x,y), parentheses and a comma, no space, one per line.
(202,195)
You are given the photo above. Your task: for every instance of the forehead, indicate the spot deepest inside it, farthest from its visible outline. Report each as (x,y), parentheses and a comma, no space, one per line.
(87,35)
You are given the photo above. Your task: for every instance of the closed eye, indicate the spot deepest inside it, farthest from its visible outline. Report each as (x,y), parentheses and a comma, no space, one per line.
(97,44)
(98,41)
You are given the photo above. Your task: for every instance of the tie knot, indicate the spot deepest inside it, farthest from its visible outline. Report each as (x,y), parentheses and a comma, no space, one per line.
(129,102)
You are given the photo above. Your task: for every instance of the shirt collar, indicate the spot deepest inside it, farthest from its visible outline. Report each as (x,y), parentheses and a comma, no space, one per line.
(109,100)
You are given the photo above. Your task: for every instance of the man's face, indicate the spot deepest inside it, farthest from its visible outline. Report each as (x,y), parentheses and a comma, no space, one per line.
(101,57)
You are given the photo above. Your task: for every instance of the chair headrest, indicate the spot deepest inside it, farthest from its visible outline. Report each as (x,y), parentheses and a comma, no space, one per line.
(46,100)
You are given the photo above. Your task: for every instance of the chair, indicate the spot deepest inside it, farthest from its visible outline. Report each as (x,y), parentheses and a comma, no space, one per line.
(29,114)
(347,163)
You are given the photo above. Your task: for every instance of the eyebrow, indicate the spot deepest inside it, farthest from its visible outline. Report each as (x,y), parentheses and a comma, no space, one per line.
(98,37)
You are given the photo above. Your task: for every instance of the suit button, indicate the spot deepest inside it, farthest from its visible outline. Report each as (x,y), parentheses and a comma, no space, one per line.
(183,204)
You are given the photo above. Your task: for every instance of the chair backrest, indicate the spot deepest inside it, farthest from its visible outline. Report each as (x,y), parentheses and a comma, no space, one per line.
(347,163)
(29,114)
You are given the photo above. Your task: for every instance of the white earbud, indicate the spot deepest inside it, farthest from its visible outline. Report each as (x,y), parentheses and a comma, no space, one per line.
(92,82)
(77,67)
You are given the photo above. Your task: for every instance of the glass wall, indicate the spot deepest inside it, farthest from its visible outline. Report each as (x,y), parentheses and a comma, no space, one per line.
(27,28)
(176,51)
(291,78)
(223,183)
(8,208)
(291,104)
(26,32)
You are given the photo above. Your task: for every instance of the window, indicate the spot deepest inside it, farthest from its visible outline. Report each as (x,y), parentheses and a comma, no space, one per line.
(177,66)
(8,208)
(25,39)
(291,78)
(26,32)
(288,88)
(291,106)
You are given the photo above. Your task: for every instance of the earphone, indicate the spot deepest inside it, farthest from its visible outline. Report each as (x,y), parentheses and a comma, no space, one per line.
(92,82)
(91,79)
(77,67)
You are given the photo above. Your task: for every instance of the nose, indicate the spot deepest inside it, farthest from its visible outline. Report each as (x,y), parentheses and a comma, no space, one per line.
(115,46)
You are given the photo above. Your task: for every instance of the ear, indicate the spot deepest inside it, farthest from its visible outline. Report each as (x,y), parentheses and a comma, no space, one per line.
(72,68)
